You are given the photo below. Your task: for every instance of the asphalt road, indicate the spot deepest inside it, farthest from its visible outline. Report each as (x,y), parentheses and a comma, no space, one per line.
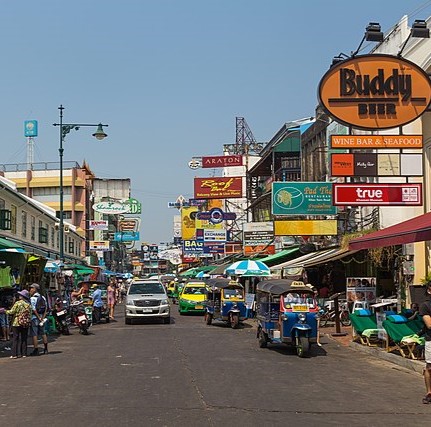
(187,373)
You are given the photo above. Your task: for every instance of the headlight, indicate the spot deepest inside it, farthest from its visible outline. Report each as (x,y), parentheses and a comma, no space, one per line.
(164,301)
(302,317)
(130,302)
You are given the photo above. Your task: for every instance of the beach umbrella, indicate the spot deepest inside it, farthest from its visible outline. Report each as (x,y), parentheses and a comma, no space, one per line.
(248,268)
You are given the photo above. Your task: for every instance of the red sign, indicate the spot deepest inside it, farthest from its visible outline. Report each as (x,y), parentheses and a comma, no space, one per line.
(218,188)
(358,194)
(221,161)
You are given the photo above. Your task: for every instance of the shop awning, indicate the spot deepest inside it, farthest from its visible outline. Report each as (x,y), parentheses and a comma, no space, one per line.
(333,255)
(279,256)
(417,229)
(299,262)
(8,246)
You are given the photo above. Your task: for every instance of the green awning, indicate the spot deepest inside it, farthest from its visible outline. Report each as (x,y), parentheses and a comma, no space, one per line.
(7,244)
(279,257)
(79,268)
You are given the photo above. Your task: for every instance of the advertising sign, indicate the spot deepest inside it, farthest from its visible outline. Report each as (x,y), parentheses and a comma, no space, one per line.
(307,227)
(111,208)
(30,128)
(218,187)
(221,161)
(361,289)
(213,248)
(376,141)
(375,91)
(376,164)
(188,222)
(99,246)
(257,238)
(97,224)
(259,250)
(302,198)
(192,248)
(216,216)
(211,235)
(359,194)
(126,236)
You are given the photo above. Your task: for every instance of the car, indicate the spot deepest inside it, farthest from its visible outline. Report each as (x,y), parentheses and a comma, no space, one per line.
(147,299)
(192,297)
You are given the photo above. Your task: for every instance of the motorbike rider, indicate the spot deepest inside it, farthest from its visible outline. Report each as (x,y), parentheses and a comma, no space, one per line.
(97,303)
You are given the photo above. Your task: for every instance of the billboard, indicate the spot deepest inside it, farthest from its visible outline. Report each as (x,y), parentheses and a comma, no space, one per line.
(302,198)
(375,91)
(188,222)
(376,141)
(221,161)
(97,224)
(218,187)
(30,128)
(358,194)
(327,227)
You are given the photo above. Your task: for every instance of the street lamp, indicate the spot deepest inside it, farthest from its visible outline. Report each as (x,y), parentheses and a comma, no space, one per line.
(65,128)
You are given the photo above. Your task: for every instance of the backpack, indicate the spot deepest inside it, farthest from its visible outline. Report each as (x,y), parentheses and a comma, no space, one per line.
(40,305)
(24,319)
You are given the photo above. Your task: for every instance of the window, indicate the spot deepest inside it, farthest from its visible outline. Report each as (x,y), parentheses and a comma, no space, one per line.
(66,214)
(33,228)
(71,246)
(24,224)
(52,236)
(13,211)
(5,219)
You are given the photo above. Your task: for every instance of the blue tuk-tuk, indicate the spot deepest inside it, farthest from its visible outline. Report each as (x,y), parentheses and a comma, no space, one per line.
(286,313)
(225,301)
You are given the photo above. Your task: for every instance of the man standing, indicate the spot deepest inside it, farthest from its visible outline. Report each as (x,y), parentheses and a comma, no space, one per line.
(425,312)
(39,311)
(97,303)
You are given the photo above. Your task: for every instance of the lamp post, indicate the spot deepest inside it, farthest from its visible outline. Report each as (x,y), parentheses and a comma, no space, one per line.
(65,128)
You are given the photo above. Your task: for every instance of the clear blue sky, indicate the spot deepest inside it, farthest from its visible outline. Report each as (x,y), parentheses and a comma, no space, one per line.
(169,77)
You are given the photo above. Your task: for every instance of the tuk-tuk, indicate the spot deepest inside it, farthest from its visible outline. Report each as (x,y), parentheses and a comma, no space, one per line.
(286,313)
(225,301)
(175,294)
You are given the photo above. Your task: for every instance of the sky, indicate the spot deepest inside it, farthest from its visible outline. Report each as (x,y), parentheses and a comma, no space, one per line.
(169,77)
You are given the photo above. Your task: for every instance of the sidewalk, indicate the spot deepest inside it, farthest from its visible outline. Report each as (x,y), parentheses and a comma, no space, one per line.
(381,353)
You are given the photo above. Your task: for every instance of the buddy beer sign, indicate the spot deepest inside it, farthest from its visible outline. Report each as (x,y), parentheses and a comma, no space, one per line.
(375,91)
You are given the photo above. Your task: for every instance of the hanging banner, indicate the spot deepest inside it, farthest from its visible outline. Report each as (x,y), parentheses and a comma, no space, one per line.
(188,226)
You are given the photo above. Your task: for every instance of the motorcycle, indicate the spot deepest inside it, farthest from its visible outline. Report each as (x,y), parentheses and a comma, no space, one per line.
(79,317)
(59,312)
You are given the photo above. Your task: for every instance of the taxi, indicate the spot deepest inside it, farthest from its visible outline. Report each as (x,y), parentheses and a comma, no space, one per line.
(192,297)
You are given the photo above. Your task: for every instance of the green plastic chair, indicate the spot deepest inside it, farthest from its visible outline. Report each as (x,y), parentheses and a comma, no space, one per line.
(361,324)
(396,332)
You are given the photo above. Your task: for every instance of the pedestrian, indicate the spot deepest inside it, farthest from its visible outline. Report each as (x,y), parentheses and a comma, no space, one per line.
(38,319)
(21,312)
(97,303)
(111,300)
(425,312)
(4,323)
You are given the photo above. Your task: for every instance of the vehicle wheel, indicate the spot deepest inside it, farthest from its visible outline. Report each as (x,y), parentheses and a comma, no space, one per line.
(107,319)
(66,330)
(208,318)
(263,342)
(234,321)
(302,346)
(323,320)
(345,319)
(128,321)
(166,320)
(84,330)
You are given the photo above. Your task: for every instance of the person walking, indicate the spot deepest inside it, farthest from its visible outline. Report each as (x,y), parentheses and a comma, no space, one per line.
(21,312)
(97,303)
(111,300)
(425,312)
(40,309)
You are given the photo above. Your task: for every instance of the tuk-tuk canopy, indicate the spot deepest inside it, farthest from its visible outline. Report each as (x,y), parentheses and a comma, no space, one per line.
(222,283)
(281,286)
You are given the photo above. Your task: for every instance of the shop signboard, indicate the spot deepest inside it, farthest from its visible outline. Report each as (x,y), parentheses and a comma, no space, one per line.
(97,224)
(192,248)
(376,141)
(302,198)
(376,164)
(188,222)
(375,91)
(30,128)
(211,235)
(259,250)
(218,187)
(213,248)
(306,227)
(358,194)
(126,236)
(102,245)
(258,238)
(221,161)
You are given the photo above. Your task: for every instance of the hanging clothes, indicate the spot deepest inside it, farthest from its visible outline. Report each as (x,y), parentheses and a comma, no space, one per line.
(5,277)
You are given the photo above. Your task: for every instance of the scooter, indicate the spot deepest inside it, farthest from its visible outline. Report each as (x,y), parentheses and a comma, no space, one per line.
(59,313)
(79,317)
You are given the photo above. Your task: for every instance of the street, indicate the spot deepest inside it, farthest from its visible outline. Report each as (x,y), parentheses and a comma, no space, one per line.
(187,373)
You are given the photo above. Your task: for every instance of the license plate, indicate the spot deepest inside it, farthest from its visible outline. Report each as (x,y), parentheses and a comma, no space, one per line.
(199,307)
(299,307)
(81,318)
(147,310)
(60,313)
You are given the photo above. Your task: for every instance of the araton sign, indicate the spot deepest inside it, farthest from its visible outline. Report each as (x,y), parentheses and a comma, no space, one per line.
(375,91)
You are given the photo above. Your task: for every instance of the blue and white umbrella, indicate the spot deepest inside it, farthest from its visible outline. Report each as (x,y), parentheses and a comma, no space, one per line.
(52,266)
(202,274)
(248,268)
(15,250)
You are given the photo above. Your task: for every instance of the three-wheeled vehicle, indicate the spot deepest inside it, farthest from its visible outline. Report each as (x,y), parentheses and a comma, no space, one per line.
(225,301)
(103,286)
(286,313)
